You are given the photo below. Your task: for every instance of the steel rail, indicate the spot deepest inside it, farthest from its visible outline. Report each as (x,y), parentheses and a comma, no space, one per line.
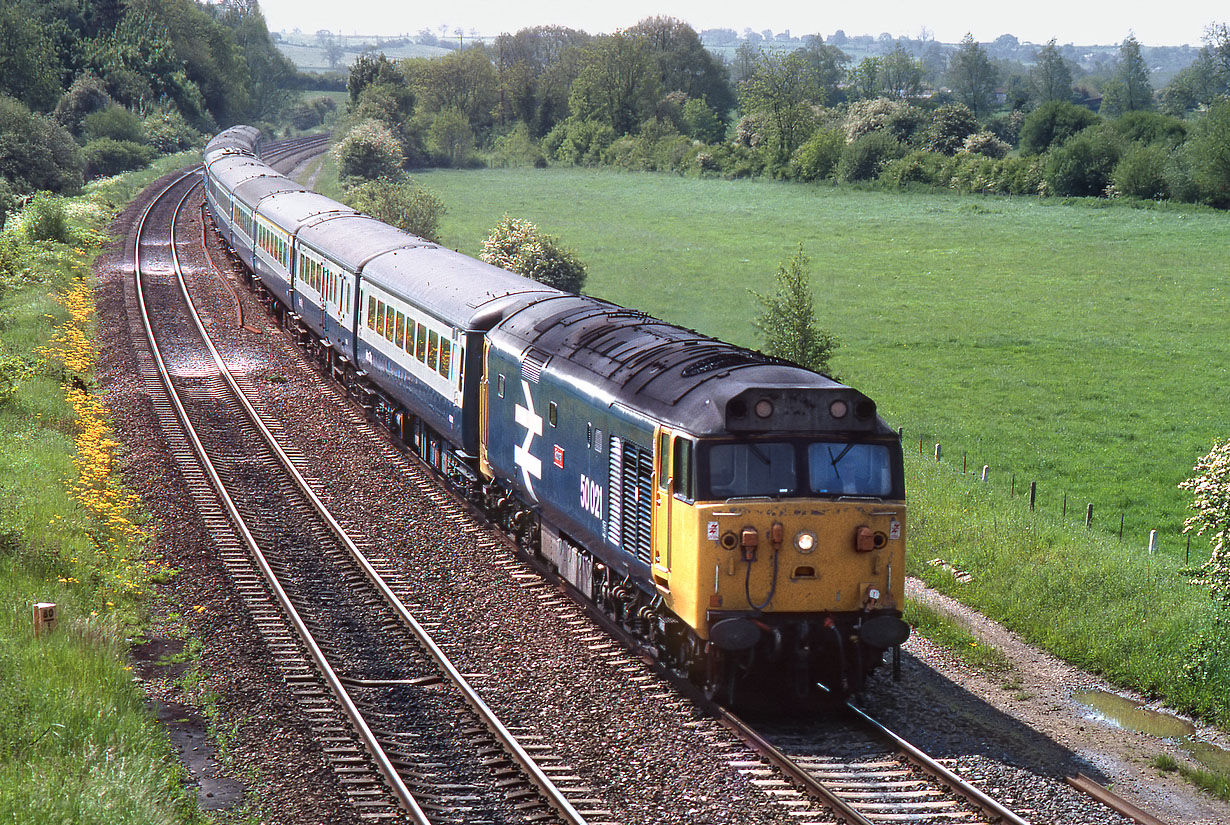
(989,806)
(551,793)
(383,763)
(1112,800)
(841,808)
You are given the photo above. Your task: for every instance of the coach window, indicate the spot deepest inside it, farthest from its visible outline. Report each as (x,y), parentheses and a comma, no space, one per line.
(683,469)
(371,312)
(420,347)
(446,357)
(400,339)
(433,350)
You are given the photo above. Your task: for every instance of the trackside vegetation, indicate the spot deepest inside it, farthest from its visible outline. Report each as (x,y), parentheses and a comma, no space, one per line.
(77,743)
(1074,343)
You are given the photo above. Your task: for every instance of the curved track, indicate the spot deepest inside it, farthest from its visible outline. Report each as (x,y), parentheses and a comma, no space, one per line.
(381,669)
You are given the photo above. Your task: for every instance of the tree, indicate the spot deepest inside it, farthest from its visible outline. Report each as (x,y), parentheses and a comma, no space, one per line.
(780,94)
(1209,150)
(617,84)
(828,65)
(1050,77)
(684,64)
(972,76)
(867,78)
(29,65)
(902,74)
(787,320)
(951,124)
(518,246)
(450,137)
(1129,90)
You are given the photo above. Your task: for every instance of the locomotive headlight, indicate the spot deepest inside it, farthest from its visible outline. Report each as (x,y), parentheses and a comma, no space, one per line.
(839,408)
(764,408)
(805,542)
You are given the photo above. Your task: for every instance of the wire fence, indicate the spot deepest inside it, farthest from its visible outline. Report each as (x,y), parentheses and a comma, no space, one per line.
(1178,544)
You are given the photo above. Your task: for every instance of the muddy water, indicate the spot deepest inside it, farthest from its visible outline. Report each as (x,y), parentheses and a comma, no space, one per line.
(1126,713)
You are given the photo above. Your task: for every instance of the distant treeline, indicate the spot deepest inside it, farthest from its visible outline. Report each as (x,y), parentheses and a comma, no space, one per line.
(653,97)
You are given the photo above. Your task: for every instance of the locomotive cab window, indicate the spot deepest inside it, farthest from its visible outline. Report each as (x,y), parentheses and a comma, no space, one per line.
(683,485)
(553,413)
(796,467)
(499,388)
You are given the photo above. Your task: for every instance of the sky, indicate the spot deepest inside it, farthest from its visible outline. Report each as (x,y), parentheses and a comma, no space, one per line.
(1155,23)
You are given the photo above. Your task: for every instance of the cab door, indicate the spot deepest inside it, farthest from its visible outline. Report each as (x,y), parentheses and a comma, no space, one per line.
(662,498)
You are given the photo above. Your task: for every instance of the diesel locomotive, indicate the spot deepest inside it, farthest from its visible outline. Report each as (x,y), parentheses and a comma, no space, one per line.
(744,516)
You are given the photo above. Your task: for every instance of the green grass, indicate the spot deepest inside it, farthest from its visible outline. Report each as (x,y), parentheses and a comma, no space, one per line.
(1211,782)
(943,630)
(1078,346)
(77,743)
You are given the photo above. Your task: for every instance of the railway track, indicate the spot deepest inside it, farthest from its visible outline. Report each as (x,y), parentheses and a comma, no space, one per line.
(402,730)
(380,695)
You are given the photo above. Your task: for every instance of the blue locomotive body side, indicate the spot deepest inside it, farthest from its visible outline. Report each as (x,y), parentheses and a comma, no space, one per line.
(584,462)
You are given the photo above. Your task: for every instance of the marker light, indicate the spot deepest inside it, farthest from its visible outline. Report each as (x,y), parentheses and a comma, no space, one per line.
(764,408)
(839,408)
(805,542)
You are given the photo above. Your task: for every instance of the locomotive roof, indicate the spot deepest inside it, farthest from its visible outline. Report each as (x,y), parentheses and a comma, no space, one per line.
(456,288)
(675,375)
(291,210)
(354,239)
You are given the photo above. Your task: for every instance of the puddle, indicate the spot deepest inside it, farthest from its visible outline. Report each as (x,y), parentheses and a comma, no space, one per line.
(1126,713)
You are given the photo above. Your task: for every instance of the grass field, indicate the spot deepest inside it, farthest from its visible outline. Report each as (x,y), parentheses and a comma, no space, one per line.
(1078,345)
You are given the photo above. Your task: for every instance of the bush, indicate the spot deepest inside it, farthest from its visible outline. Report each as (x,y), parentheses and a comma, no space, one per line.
(87,95)
(1141,172)
(367,152)
(44,219)
(1053,123)
(450,138)
(579,142)
(104,157)
(896,117)
(517,148)
(657,148)
(113,122)
(518,246)
(985,143)
(951,124)
(167,131)
(917,167)
(1083,164)
(8,201)
(701,122)
(863,159)
(1007,126)
(403,204)
(1150,127)
(36,152)
(729,160)
(818,157)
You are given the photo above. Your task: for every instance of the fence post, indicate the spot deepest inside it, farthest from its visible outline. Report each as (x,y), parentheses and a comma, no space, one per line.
(1121,527)
(964,458)
(1089,515)
(1187,558)
(1152,542)
(920,444)
(1065,505)
(1033,494)
(937,451)
(986,470)
(1012,487)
